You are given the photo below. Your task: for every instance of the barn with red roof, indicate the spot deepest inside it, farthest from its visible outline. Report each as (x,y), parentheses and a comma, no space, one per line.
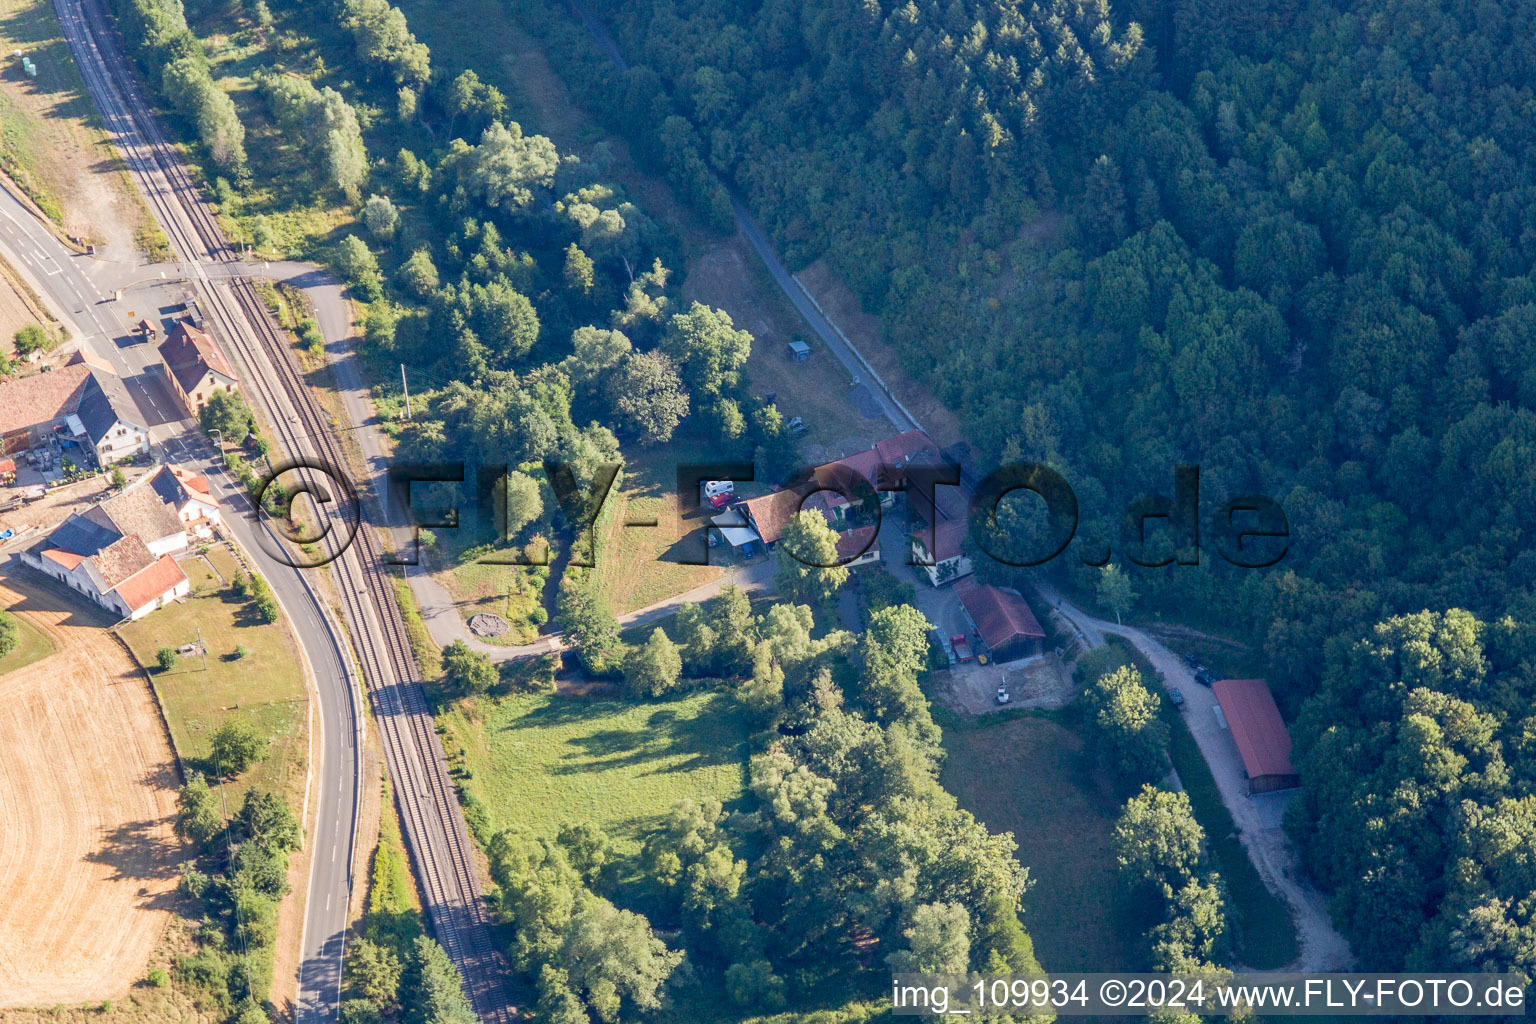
(1259,732)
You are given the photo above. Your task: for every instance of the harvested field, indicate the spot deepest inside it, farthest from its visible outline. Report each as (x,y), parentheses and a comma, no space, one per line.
(87,796)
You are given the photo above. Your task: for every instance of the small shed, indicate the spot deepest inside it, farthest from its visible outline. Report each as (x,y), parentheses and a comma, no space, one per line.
(799,351)
(147,329)
(7,471)
(1259,732)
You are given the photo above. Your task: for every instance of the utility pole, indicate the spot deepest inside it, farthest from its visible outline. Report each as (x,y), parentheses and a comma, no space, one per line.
(407,389)
(202,647)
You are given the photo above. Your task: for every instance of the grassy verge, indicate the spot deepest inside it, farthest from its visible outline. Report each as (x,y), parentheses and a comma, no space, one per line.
(1266,938)
(513,592)
(542,761)
(1027,775)
(31,645)
(265,687)
(428,659)
(393,915)
(638,565)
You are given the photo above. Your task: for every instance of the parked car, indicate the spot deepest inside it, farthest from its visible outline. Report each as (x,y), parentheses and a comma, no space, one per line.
(1192,661)
(1204,678)
(719,501)
(1002,695)
(1176,695)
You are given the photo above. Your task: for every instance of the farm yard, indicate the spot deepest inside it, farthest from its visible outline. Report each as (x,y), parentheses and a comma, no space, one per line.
(87,797)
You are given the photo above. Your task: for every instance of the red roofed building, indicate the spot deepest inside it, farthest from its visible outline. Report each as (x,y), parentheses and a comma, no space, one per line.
(1002,620)
(197,368)
(768,514)
(118,572)
(859,547)
(1260,734)
(851,474)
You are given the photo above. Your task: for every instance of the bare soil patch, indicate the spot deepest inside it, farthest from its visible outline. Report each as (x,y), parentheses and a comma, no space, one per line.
(87,796)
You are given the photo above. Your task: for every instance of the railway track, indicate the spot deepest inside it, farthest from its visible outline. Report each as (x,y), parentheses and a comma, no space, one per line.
(432,820)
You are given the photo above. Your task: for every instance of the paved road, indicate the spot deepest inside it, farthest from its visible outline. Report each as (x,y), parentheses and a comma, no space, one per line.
(76,287)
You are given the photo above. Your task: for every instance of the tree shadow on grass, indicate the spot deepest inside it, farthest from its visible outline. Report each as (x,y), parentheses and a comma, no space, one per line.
(687,744)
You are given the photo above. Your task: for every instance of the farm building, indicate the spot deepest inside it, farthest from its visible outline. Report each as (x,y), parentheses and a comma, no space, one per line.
(914,447)
(78,402)
(1002,619)
(851,473)
(110,419)
(768,514)
(1259,732)
(858,547)
(948,561)
(32,407)
(196,366)
(188,496)
(140,512)
(118,572)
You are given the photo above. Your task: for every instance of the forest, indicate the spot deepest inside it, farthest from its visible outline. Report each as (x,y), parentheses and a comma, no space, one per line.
(1285,241)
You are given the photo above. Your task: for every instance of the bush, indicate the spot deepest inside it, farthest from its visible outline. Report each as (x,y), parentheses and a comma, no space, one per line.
(157,978)
(241,652)
(10,635)
(32,338)
(236,746)
(167,658)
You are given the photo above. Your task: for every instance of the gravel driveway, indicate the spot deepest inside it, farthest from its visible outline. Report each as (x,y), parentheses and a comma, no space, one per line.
(1322,947)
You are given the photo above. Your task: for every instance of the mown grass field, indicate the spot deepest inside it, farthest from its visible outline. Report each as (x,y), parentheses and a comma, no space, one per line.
(639,565)
(266,687)
(1028,776)
(542,761)
(31,645)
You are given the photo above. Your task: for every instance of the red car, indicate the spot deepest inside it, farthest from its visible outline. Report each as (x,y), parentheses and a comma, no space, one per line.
(719,501)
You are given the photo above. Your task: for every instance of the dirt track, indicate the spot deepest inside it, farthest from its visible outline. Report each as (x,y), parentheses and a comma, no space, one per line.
(87,795)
